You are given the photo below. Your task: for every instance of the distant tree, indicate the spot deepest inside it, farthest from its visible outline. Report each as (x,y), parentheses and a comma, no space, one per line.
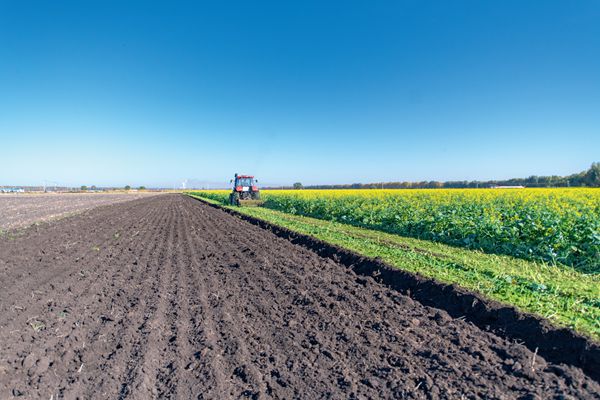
(142,188)
(83,187)
(93,187)
(127,187)
(298,185)
(592,176)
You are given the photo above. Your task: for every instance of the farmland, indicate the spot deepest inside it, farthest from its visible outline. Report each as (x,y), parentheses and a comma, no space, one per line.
(554,225)
(169,297)
(21,210)
(565,295)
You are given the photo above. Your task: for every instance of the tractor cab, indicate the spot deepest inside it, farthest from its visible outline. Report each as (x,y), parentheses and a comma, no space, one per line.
(244,183)
(245,190)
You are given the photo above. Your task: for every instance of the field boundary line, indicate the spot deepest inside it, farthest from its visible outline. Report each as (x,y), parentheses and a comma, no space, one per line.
(555,344)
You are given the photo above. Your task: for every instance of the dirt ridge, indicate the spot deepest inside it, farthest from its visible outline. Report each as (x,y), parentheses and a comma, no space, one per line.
(555,344)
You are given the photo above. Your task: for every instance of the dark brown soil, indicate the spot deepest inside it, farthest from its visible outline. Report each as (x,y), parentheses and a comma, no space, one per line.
(167,297)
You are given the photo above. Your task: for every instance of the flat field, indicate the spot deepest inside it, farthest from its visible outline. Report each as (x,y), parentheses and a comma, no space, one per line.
(168,297)
(23,209)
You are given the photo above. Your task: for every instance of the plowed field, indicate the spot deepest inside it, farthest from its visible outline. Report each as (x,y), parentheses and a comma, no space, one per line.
(20,210)
(166,297)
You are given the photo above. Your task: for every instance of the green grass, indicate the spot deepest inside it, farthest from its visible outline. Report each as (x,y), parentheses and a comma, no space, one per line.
(557,292)
(9,235)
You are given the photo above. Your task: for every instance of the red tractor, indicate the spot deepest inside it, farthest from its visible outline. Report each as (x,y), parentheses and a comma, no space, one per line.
(245,191)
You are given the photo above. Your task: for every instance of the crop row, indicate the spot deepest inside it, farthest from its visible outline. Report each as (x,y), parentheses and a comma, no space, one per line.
(555,225)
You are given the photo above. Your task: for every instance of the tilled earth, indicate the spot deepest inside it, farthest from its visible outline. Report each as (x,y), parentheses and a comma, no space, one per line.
(23,209)
(165,297)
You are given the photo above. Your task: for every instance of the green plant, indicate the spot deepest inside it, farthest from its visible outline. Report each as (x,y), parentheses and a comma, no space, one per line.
(555,225)
(37,326)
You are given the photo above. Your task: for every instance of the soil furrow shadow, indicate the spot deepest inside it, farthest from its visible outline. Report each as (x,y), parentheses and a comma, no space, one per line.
(209,363)
(141,364)
(127,302)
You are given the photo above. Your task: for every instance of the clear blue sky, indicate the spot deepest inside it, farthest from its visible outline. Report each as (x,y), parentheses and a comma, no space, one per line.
(108,93)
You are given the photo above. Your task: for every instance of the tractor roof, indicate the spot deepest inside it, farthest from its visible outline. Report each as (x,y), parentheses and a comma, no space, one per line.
(245,176)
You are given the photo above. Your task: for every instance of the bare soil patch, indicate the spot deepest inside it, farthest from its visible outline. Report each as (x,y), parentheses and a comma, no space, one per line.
(168,297)
(24,209)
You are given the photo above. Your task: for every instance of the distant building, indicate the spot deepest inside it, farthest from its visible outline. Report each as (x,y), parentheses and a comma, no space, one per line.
(11,190)
(506,187)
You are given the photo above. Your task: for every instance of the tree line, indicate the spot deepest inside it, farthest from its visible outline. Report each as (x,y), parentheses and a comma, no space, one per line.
(588,178)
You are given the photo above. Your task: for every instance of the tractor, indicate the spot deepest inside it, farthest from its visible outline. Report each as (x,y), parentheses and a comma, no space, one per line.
(244,192)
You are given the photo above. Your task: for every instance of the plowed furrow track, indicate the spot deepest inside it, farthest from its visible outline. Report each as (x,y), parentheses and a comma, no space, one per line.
(165,297)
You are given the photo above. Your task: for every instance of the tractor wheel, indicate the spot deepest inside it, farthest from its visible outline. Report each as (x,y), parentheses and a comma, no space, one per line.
(234,199)
(255,195)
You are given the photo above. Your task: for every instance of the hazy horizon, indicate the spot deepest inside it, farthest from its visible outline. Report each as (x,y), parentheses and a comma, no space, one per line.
(204,184)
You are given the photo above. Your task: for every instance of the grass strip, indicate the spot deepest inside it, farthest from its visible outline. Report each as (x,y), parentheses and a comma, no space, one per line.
(556,292)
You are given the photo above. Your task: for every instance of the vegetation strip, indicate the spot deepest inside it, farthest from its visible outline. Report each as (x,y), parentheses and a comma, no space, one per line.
(560,226)
(563,295)
(555,344)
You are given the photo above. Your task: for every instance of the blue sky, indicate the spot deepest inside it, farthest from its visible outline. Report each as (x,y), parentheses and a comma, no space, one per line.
(152,93)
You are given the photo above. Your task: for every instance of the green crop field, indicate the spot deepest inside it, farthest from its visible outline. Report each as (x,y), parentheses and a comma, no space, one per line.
(554,225)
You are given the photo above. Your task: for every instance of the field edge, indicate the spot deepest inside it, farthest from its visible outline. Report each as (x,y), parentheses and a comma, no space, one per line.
(555,344)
